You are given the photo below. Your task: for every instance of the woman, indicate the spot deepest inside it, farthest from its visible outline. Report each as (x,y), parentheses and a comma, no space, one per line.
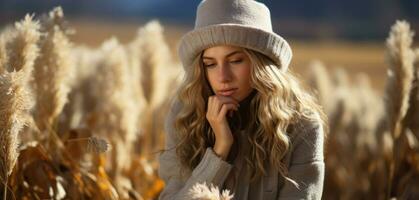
(240,120)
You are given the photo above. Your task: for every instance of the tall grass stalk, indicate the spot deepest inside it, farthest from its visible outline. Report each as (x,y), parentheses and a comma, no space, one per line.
(22,47)
(320,80)
(53,68)
(115,111)
(15,102)
(158,75)
(398,86)
(18,51)
(3,53)
(156,59)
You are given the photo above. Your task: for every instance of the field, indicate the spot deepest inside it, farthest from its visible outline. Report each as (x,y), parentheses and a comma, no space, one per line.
(355,57)
(82,107)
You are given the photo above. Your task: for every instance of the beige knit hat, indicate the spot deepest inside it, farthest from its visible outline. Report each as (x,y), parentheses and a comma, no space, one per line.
(244,23)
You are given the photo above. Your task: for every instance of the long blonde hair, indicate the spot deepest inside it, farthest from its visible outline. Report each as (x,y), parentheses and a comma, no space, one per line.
(279,103)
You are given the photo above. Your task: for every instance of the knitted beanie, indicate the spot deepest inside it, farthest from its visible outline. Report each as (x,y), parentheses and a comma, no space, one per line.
(243,23)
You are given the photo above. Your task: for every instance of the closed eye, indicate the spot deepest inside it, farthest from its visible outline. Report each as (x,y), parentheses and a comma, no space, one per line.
(209,65)
(236,61)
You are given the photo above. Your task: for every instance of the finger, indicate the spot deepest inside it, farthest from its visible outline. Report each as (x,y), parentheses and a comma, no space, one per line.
(209,103)
(217,103)
(211,110)
(224,100)
(225,108)
(230,113)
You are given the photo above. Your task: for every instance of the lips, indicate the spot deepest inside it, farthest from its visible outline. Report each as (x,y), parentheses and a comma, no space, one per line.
(227,92)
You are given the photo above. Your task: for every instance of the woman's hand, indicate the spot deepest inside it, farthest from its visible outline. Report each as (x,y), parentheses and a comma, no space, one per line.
(218,108)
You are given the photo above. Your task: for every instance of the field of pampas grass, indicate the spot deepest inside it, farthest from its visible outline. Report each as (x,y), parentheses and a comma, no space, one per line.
(80,122)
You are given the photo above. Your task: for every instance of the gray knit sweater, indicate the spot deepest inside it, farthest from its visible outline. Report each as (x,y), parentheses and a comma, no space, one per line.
(305,162)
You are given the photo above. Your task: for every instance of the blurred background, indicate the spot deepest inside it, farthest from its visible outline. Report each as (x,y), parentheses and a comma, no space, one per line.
(350,34)
(361,20)
(104,72)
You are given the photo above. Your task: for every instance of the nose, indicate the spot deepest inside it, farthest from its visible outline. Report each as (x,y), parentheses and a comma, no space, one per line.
(225,74)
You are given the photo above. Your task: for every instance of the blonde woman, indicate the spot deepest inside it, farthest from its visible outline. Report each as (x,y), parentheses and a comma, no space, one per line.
(240,120)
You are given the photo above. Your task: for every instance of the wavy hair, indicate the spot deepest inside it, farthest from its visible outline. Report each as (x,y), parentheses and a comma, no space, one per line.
(280,102)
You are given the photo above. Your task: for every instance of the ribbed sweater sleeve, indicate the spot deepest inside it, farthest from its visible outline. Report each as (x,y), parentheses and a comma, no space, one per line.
(211,169)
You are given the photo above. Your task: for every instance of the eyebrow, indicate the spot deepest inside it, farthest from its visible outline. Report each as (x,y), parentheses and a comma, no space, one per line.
(228,55)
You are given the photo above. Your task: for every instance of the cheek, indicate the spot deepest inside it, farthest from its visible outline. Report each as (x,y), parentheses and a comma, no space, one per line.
(244,82)
(211,78)
(244,74)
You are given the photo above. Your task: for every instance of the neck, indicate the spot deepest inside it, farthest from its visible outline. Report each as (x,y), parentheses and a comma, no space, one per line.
(240,118)
(248,99)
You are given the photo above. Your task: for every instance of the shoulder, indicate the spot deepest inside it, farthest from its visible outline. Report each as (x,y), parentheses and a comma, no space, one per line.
(174,109)
(307,139)
(305,127)
(170,119)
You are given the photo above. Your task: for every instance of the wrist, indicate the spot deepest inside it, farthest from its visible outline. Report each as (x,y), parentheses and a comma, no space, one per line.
(221,150)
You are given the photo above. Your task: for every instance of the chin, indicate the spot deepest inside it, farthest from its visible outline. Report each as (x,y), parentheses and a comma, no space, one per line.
(238,97)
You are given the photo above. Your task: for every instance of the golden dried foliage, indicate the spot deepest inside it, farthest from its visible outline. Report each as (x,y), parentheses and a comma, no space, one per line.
(89,99)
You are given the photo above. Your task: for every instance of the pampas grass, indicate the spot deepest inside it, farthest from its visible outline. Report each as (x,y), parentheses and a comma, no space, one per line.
(3,53)
(22,48)
(371,129)
(200,191)
(320,81)
(55,19)
(115,109)
(340,113)
(116,113)
(417,55)
(18,51)
(158,73)
(81,101)
(93,144)
(369,110)
(52,72)
(401,58)
(118,98)
(97,145)
(400,77)
(156,60)
(372,137)
(15,102)
(415,98)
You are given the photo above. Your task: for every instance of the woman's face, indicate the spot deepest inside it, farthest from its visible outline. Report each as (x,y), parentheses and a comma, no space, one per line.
(228,69)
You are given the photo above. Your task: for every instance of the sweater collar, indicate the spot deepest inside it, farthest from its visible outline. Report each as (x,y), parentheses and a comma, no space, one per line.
(240,118)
